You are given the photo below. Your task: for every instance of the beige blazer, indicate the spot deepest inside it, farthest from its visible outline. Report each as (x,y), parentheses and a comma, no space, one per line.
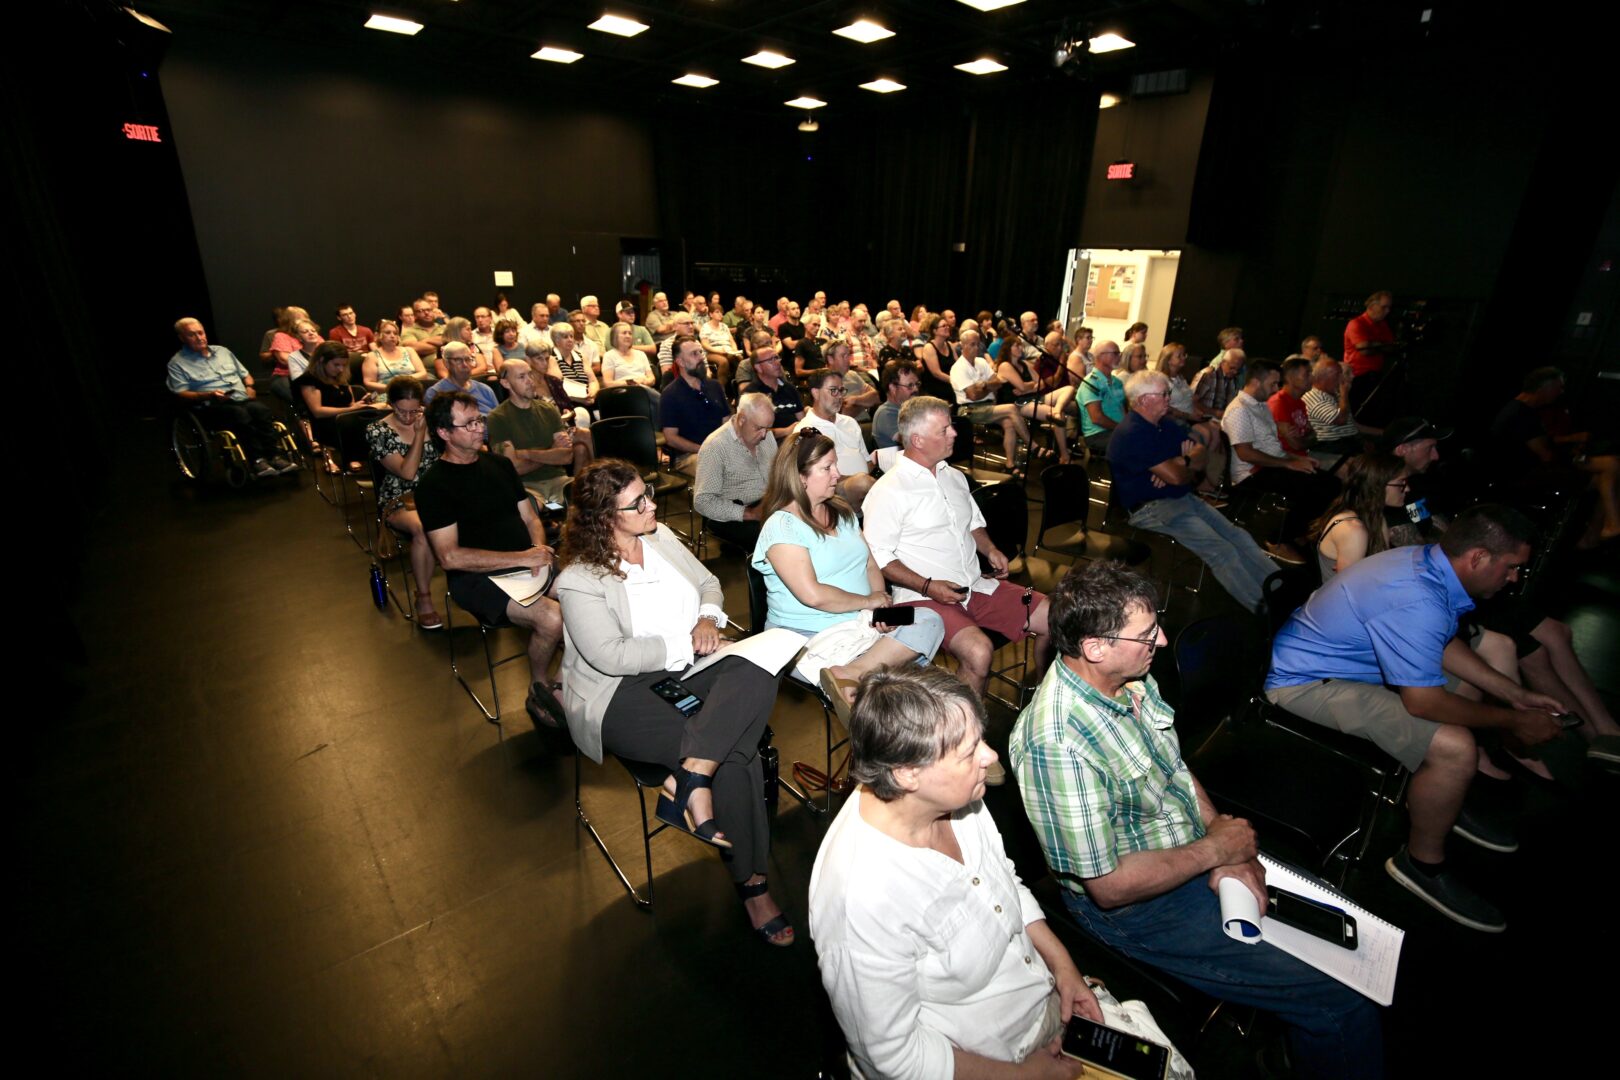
(598,648)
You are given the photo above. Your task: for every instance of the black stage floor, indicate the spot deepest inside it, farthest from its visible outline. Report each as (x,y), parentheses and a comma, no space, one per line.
(265,832)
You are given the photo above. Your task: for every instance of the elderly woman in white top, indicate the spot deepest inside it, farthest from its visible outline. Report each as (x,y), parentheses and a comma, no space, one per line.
(625,365)
(937,960)
(639,608)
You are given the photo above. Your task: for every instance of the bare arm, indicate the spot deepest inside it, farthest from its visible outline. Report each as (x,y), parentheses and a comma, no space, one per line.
(674,441)
(452,556)
(792,564)
(1247,452)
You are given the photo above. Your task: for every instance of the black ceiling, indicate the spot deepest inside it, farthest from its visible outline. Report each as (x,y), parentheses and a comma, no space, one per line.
(491,40)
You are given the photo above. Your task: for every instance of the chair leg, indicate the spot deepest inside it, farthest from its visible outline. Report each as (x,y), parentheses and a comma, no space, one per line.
(805,799)
(450,635)
(642,902)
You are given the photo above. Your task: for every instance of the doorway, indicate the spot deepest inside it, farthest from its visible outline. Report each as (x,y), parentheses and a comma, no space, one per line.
(1108,289)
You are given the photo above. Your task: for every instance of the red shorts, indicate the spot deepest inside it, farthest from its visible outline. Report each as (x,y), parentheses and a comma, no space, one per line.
(1002,611)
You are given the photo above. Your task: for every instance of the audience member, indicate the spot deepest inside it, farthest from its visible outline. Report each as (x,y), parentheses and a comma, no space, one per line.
(783,395)
(860,394)
(482,338)
(1360,519)
(914,866)
(854,461)
(641,337)
(1101,400)
(974,385)
(1133,838)
(936,358)
(423,336)
(683,327)
(733,469)
(214,384)
(639,608)
(1172,363)
(1530,455)
(591,327)
(658,319)
(508,343)
(309,339)
(538,328)
(719,347)
(458,363)
(355,338)
(1261,464)
(1327,406)
(625,365)
(691,406)
(399,443)
(325,394)
(1287,407)
(531,434)
(1368,339)
(572,367)
(900,382)
(1215,386)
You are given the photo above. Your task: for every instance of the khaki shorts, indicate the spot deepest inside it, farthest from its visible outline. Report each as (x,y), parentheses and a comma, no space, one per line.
(1371,711)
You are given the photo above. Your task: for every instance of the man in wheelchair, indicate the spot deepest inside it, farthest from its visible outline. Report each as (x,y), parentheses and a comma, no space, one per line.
(212,382)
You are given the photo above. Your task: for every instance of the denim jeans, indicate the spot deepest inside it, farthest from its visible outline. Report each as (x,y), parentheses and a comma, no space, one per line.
(1231,554)
(1332,1030)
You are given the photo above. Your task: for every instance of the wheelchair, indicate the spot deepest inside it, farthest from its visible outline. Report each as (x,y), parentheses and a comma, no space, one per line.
(208,458)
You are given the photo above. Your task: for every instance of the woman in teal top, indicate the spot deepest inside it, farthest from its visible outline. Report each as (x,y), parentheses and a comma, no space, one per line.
(818,570)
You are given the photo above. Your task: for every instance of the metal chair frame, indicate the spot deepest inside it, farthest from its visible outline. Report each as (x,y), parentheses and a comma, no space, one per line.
(483,633)
(643,780)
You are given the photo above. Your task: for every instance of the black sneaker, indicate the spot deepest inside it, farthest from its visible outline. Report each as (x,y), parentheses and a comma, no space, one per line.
(1605,750)
(282,465)
(262,468)
(1443,892)
(1489,835)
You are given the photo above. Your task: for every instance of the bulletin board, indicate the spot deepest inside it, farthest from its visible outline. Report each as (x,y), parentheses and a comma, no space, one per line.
(1110,291)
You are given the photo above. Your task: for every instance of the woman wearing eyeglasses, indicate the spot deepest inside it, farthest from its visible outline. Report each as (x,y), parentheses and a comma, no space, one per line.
(638,609)
(399,443)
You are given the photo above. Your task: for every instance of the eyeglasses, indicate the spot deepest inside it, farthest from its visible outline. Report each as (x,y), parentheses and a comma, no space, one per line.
(1151,641)
(837,390)
(642,503)
(1153,393)
(477,421)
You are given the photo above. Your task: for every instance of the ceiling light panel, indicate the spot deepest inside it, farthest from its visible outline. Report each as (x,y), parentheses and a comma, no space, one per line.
(617,24)
(393,25)
(864,31)
(991,5)
(701,82)
(882,86)
(1110,42)
(765,58)
(804,103)
(982,66)
(556,55)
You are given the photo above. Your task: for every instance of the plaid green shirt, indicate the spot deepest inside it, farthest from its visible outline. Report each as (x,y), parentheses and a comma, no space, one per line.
(1099,778)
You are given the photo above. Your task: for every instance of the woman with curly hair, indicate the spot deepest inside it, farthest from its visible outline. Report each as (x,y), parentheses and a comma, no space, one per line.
(637,609)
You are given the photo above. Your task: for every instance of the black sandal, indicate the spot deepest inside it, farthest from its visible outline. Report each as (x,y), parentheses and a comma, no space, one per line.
(776,925)
(674,812)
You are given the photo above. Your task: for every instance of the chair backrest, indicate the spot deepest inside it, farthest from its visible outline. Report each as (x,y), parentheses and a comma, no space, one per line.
(757,603)
(626,401)
(1006,515)
(1221,661)
(351,435)
(627,437)
(1283,592)
(962,449)
(1066,490)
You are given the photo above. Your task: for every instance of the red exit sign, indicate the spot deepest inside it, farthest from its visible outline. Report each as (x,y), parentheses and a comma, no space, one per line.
(1122,170)
(142,132)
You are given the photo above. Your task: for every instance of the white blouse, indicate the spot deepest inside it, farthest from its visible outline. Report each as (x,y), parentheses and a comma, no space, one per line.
(663,604)
(920,953)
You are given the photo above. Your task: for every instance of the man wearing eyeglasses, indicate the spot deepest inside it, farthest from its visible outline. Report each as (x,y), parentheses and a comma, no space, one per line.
(1135,841)
(480,520)
(458,361)
(1155,462)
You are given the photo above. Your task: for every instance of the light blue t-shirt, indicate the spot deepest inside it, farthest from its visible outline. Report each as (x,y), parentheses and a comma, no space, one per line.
(839,561)
(219,370)
(1385,620)
(1110,393)
(479,390)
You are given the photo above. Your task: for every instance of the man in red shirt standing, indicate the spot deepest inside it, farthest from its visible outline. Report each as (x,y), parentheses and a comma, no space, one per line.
(1367,339)
(1288,407)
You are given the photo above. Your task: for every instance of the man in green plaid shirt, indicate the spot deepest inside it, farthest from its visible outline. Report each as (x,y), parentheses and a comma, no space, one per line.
(1135,841)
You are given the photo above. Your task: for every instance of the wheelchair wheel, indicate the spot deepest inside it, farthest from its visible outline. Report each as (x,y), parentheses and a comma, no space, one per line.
(193,448)
(236,474)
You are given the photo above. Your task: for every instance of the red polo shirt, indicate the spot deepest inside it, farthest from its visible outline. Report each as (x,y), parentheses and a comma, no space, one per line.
(1292,419)
(1362,329)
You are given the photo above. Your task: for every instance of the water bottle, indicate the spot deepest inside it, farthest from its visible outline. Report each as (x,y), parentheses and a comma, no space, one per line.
(379,587)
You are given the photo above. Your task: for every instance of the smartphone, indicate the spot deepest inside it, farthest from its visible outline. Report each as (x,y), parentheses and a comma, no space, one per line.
(1567,720)
(1312,916)
(1113,1052)
(675,692)
(894,616)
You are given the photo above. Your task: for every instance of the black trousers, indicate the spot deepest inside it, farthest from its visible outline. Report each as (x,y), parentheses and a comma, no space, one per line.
(737,702)
(1308,494)
(250,421)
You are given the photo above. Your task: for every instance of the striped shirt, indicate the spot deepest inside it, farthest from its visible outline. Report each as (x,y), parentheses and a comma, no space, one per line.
(731,477)
(1101,778)
(1323,409)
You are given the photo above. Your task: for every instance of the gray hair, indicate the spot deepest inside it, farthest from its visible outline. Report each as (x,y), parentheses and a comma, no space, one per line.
(1325,368)
(915,413)
(757,405)
(456,348)
(538,348)
(907,717)
(1146,381)
(181,324)
(964,335)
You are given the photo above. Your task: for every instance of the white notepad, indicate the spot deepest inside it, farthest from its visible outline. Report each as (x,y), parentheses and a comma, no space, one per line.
(1369,968)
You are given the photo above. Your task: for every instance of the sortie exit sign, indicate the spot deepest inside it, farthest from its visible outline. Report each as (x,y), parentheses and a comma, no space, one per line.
(1122,170)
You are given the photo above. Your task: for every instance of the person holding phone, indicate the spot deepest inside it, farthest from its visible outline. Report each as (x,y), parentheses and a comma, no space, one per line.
(638,608)
(399,443)
(936,958)
(818,571)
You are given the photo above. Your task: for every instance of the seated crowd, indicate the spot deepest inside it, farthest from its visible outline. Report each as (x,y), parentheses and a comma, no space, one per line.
(832,477)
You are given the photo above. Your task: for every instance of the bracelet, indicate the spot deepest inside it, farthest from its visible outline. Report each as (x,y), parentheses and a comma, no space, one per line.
(926,585)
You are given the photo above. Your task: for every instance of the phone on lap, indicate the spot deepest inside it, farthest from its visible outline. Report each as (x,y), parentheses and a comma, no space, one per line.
(675,692)
(1108,1051)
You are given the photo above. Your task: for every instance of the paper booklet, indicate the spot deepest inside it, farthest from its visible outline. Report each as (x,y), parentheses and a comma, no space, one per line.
(1369,968)
(768,649)
(523,586)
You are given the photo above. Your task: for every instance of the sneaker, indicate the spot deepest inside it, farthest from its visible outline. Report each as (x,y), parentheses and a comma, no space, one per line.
(1605,750)
(1214,498)
(282,465)
(1285,554)
(1443,892)
(262,468)
(995,775)
(1477,829)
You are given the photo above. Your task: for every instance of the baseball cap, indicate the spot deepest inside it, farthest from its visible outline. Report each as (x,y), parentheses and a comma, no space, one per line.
(1410,429)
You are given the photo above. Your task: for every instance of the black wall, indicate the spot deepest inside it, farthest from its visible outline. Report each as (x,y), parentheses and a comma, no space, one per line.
(369,185)
(1162,136)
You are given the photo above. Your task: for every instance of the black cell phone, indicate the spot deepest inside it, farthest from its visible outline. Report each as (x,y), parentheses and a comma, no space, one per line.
(1114,1052)
(1567,720)
(894,616)
(675,692)
(1312,916)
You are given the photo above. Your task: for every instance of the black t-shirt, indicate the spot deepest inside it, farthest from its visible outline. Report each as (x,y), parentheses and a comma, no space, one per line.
(809,353)
(1512,430)
(480,500)
(794,330)
(333,396)
(785,397)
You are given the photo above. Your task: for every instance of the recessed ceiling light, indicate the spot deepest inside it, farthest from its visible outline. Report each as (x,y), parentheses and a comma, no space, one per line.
(1107,101)
(864,31)
(765,58)
(982,66)
(702,82)
(393,25)
(991,5)
(1110,42)
(802,102)
(617,24)
(556,55)
(882,86)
